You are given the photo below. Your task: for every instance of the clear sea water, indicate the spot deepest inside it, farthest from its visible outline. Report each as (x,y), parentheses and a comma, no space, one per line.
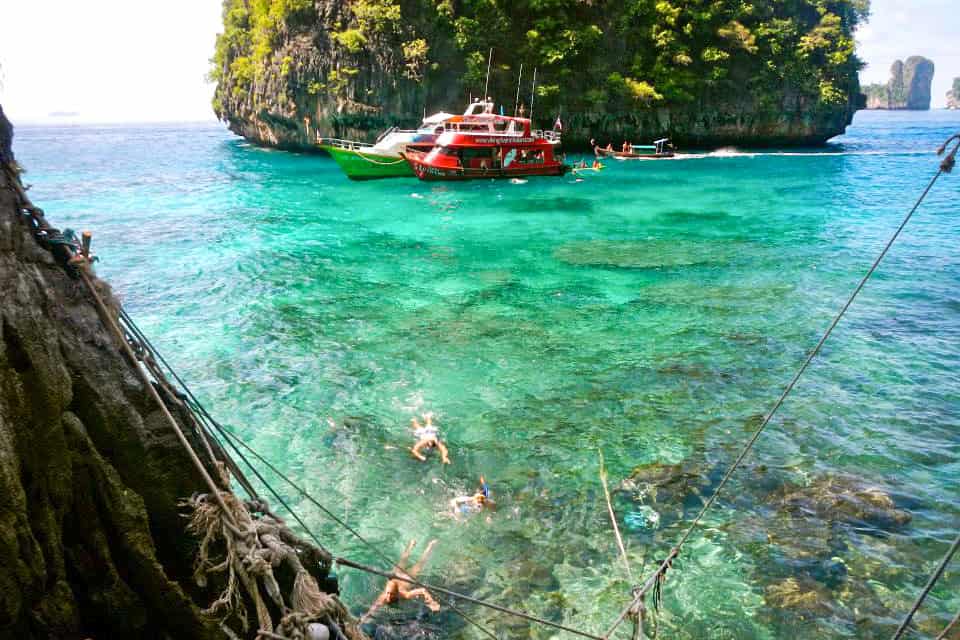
(652,310)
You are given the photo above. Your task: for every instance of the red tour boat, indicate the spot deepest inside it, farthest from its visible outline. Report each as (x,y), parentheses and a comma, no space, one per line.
(484,145)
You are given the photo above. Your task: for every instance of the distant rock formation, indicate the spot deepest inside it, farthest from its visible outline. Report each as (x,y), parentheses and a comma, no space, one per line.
(908,88)
(953,96)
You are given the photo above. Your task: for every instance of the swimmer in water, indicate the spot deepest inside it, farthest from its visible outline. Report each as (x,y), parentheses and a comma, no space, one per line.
(397,590)
(466,504)
(428,437)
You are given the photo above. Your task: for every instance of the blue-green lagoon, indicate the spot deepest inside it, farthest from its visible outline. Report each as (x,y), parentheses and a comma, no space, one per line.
(653,310)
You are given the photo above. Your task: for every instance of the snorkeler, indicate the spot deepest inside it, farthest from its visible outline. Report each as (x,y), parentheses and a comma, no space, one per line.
(463,505)
(427,437)
(397,590)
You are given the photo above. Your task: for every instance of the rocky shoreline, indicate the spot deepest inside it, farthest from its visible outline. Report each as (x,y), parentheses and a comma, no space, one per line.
(96,487)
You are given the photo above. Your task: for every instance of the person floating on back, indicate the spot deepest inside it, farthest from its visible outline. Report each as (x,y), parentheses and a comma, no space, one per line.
(463,505)
(397,590)
(428,437)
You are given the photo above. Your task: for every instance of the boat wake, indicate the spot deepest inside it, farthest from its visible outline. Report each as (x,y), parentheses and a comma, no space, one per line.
(733,152)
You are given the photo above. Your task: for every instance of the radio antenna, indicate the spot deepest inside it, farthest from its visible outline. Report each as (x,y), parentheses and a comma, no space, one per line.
(516,104)
(533,91)
(486,87)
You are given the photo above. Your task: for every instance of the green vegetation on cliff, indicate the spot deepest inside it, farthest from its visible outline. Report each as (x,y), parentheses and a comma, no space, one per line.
(593,57)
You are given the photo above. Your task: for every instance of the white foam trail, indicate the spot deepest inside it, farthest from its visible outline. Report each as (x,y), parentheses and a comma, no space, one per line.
(731,152)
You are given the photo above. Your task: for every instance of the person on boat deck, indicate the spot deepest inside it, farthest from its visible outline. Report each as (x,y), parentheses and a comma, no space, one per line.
(463,505)
(609,146)
(397,590)
(428,437)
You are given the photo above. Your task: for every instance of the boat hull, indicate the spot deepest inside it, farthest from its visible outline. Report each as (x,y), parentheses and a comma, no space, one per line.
(363,165)
(428,172)
(620,155)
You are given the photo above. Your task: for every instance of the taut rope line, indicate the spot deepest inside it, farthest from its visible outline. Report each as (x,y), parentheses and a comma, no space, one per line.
(946,166)
(125,346)
(526,616)
(376,551)
(902,629)
(232,439)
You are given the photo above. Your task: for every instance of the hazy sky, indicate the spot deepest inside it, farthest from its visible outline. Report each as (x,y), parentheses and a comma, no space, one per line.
(123,60)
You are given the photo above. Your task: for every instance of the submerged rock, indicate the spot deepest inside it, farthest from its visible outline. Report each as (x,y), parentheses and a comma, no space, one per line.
(845,499)
(640,254)
(799,594)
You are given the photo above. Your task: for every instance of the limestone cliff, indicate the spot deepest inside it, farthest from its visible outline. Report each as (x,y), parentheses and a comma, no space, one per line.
(909,87)
(733,72)
(953,96)
(90,475)
(93,540)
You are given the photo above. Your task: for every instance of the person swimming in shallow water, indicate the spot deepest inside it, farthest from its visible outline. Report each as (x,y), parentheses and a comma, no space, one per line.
(397,590)
(428,437)
(463,505)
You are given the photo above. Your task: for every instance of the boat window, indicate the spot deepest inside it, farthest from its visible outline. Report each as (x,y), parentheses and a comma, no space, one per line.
(530,156)
(500,125)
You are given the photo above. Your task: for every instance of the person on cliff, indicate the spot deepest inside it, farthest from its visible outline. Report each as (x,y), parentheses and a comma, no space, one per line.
(428,437)
(397,590)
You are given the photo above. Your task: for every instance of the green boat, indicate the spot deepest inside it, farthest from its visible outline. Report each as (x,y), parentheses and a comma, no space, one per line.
(361,162)
(383,159)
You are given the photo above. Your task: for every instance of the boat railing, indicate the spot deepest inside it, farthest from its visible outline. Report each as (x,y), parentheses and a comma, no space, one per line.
(385,134)
(349,145)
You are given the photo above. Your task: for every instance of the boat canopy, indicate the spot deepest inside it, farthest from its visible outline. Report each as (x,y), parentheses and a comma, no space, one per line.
(438,118)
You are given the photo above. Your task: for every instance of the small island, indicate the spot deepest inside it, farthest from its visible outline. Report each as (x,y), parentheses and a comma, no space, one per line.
(909,87)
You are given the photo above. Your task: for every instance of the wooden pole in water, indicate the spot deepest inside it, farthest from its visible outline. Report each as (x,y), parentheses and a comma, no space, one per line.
(87,238)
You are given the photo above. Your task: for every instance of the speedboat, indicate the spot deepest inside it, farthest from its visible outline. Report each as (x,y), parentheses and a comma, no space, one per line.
(481,145)
(382,159)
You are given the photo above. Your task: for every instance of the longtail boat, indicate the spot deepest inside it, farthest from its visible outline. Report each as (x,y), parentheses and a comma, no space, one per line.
(659,149)
(477,146)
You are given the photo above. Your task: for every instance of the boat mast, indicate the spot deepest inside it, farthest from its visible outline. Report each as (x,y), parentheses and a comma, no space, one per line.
(516,104)
(486,86)
(533,90)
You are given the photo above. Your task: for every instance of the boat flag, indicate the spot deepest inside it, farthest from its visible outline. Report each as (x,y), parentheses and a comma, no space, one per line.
(501,109)
(558,125)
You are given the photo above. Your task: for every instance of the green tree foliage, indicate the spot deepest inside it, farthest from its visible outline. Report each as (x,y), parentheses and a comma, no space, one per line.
(591,54)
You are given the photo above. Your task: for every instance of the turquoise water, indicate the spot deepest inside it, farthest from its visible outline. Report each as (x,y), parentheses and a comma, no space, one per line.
(652,310)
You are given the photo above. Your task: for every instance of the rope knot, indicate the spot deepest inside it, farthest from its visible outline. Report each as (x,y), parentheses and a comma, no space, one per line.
(950,161)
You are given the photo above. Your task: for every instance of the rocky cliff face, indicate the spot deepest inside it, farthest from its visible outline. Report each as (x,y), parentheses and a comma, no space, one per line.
(91,542)
(752,73)
(6,138)
(953,96)
(908,88)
